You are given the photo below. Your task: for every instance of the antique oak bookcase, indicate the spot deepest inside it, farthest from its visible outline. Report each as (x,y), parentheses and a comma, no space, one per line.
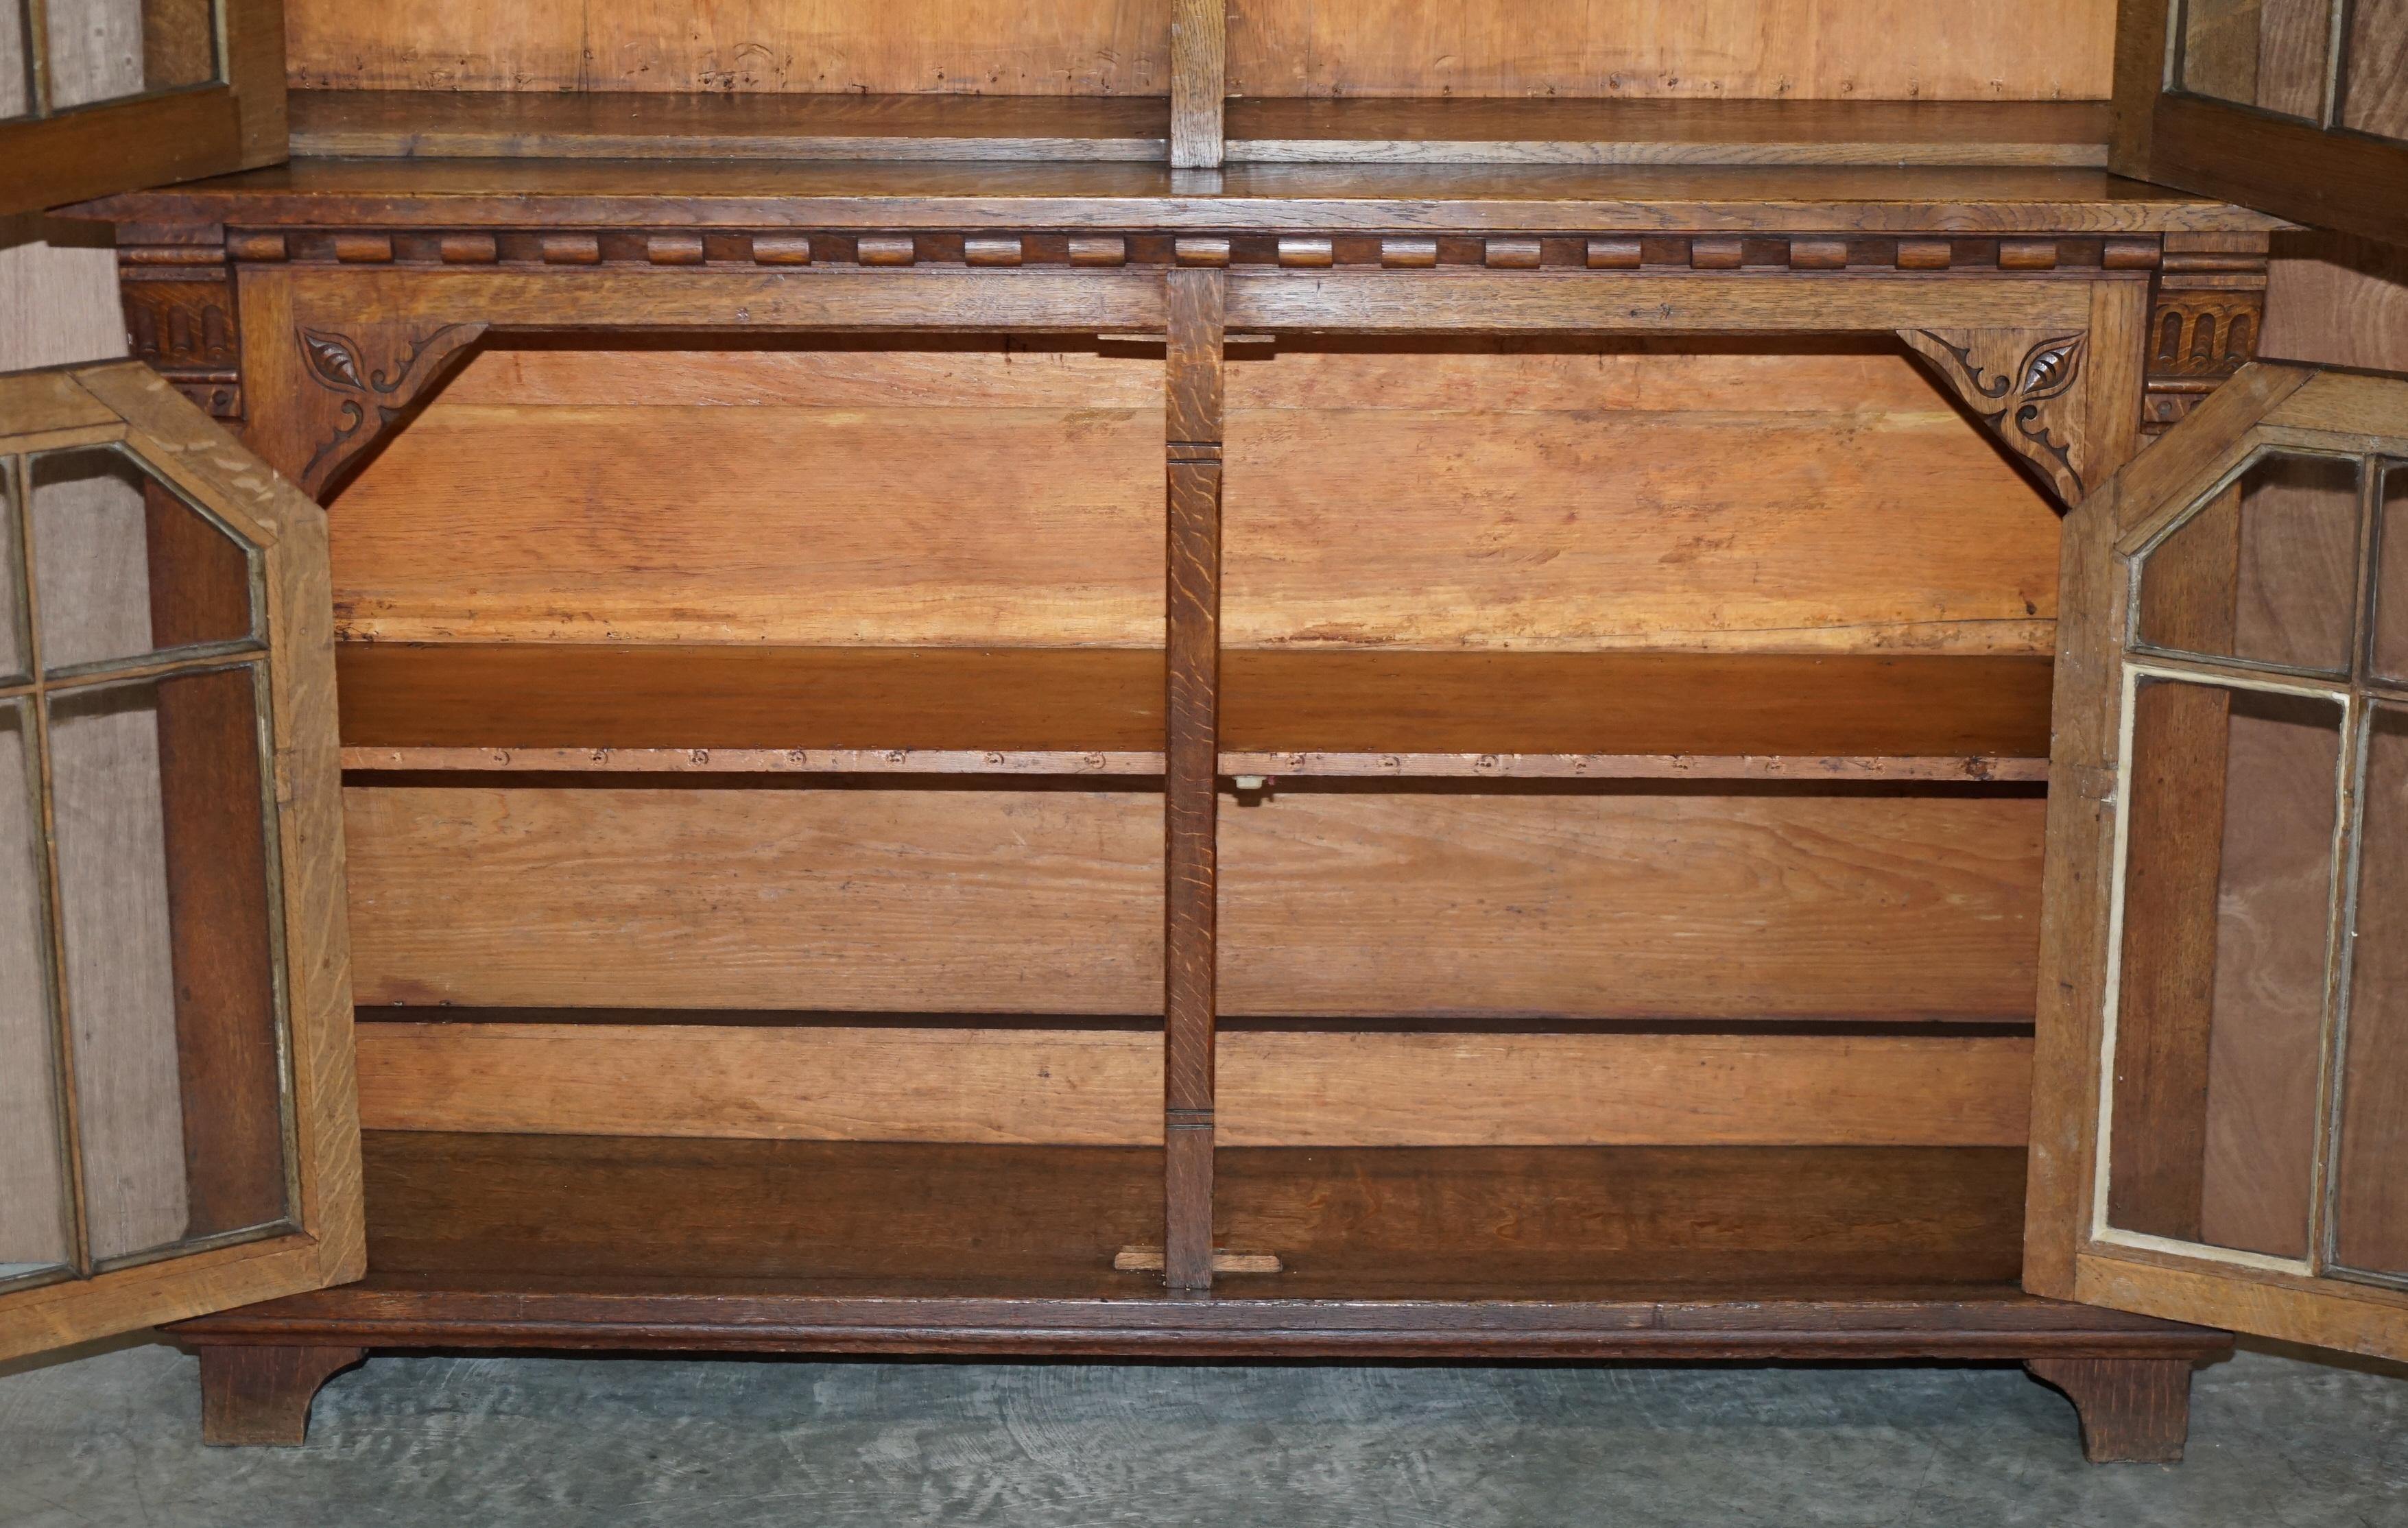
(1306,677)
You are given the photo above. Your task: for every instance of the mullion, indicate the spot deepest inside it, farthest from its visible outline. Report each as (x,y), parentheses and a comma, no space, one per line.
(46,825)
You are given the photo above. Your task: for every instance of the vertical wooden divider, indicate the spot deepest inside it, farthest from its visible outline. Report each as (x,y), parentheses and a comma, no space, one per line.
(1199,88)
(1197,306)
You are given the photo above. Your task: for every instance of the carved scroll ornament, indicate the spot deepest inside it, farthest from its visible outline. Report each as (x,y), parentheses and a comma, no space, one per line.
(2024,385)
(368,377)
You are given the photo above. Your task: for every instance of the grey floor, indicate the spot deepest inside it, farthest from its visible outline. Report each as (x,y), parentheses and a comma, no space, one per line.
(468,1443)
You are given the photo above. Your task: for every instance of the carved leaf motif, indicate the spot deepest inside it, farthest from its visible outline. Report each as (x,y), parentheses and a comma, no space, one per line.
(2021,384)
(332,357)
(2051,367)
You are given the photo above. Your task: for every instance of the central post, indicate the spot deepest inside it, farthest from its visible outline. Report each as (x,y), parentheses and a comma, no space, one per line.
(1197,304)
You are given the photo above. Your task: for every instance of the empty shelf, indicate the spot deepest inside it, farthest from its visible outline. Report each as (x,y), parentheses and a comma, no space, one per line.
(1618,715)
(750,709)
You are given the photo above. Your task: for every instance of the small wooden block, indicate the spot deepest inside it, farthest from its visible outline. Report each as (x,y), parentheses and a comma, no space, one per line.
(1307,252)
(363,248)
(1818,254)
(571,249)
(257,246)
(674,248)
(1716,255)
(2129,254)
(1408,254)
(2027,254)
(468,248)
(782,249)
(991,251)
(1518,254)
(1149,1260)
(1201,251)
(1923,254)
(1614,254)
(886,249)
(1099,249)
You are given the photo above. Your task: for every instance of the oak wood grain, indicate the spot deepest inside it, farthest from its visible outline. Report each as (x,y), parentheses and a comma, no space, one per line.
(400,123)
(589,193)
(1824,49)
(977,47)
(1626,130)
(422,1070)
(1195,301)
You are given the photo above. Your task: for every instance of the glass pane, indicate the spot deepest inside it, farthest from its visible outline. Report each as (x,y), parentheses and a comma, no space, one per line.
(12,597)
(16,89)
(122,566)
(2371,1179)
(164,878)
(107,49)
(2270,53)
(2374,71)
(2390,657)
(2265,571)
(2227,892)
(34,1201)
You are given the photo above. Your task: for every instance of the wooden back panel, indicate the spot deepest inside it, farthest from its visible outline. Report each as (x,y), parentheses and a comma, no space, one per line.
(1605,495)
(968,47)
(1791,50)
(1794,49)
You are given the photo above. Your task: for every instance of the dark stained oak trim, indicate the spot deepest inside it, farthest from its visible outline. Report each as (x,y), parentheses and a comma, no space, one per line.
(1368,198)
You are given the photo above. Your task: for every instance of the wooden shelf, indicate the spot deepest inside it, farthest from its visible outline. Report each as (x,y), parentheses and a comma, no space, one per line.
(481,1211)
(587,1242)
(1634,716)
(1555,131)
(696,708)
(511,124)
(662,709)
(1864,201)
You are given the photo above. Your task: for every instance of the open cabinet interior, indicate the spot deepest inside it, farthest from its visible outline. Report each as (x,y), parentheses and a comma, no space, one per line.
(1291,677)
(1648,903)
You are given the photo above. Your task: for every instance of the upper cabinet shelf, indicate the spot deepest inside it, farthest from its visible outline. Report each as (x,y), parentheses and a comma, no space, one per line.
(390,194)
(1400,714)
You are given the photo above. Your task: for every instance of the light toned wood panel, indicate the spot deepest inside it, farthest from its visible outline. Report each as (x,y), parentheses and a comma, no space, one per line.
(1486,301)
(694,523)
(1766,503)
(2320,1313)
(1902,49)
(1556,130)
(977,47)
(1041,901)
(966,373)
(1064,1087)
(618,124)
(1562,476)
(1104,1088)
(1631,904)
(1318,1088)
(820,760)
(152,1294)
(1595,766)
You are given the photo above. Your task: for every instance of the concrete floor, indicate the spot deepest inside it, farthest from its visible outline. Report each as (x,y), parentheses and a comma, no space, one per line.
(478,1443)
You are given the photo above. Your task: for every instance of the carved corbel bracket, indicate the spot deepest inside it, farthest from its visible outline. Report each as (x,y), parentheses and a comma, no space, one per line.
(2026,385)
(180,318)
(2204,317)
(363,378)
